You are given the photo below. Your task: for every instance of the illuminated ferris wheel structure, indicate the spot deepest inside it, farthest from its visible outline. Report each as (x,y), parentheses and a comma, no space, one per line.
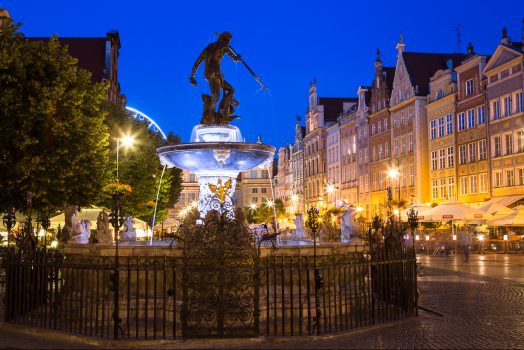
(151,125)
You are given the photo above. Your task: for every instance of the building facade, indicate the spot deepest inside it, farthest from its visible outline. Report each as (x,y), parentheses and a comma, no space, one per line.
(505,83)
(297,169)
(471,126)
(380,137)
(440,111)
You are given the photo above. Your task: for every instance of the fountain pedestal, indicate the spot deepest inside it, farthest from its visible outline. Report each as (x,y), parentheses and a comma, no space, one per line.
(216,155)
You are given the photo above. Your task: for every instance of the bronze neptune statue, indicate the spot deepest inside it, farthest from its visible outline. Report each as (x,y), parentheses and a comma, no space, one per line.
(212,55)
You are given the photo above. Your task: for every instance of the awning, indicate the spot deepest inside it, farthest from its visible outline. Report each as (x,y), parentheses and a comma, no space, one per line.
(506,200)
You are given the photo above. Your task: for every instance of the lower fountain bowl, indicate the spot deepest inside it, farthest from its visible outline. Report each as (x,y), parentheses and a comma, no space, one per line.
(203,157)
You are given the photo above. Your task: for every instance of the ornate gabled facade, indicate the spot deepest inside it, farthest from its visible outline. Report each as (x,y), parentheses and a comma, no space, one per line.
(380,135)
(297,169)
(322,113)
(440,112)
(409,121)
(472,181)
(348,157)
(505,84)
(333,165)
(283,179)
(362,121)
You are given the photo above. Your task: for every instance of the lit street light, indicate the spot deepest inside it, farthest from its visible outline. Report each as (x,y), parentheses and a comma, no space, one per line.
(127,141)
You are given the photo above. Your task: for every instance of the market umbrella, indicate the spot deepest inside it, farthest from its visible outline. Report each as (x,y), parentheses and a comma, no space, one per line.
(516,218)
(454,210)
(420,208)
(495,210)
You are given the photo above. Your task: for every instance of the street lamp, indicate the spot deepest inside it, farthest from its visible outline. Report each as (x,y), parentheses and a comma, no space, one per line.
(127,141)
(395,174)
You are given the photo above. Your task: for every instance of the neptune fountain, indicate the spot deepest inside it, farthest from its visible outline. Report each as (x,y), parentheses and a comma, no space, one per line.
(216,152)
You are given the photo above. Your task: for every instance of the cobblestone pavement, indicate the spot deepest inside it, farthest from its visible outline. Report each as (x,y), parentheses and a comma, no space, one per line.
(475,305)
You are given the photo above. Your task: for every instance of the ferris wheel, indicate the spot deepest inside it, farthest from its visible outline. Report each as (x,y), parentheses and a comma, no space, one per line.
(151,125)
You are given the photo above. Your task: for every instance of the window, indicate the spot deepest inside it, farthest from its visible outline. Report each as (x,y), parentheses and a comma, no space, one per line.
(402,118)
(507,106)
(379,152)
(395,153)
(403,171)
(265,174)
(374,178)
(518,102)
(463,185)
(253,174)
(434,189)
(379,127)
(461,122)
(442,158)
(254,190)
(255,199)
(509,143)
(394,120)
(192,178)
(483,183)
(433,129)
(521,176)
(495,111)
(386,150)
(381,181)
(386,124)
(373,129)
(443,188)
(498,178)
(498,146)
(411,143)
(403,145)
(411,175)
(473,184)
(451,161)
(471,118)
(410,114)
(439,94)
(520,141)
(472,148)
(449,124)
(434,160)
(469,87)
(462,154)
(441,127)
(263,190)
(481,113)
(510,178)
(451,187)
(374,153)
(483,150)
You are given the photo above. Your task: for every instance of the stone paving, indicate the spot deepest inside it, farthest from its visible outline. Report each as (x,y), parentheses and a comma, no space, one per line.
(474,305)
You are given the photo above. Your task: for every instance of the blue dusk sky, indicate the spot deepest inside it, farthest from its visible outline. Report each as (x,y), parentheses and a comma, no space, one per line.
(287,43)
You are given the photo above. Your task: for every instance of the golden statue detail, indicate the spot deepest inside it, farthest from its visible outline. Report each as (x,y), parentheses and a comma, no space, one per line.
(211,56)
(220,190)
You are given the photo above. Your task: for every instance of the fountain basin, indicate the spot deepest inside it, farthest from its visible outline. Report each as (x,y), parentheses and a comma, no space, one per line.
(224,158)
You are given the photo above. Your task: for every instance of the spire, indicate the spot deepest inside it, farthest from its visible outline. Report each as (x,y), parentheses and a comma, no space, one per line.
(298,119)
(315,81)
(505,38)
(471,50)
(259,139)
(378,63)
(400,46)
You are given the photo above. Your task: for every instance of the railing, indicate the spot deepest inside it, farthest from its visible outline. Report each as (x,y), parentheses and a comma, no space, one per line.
(75,294)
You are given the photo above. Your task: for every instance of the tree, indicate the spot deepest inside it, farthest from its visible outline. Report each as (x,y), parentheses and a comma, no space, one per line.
(54,139)
(140,167)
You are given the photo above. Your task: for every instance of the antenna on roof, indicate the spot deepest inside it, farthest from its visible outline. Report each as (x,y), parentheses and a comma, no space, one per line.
(459,40)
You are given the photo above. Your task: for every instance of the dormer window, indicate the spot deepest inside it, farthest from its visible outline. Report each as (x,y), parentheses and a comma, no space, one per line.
(469,87)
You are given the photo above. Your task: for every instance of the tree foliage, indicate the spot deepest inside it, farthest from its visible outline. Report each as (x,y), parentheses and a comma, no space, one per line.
(139,166)
(54,139)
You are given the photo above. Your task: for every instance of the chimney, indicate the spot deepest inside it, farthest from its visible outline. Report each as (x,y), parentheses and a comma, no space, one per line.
(505,38)
(471,50)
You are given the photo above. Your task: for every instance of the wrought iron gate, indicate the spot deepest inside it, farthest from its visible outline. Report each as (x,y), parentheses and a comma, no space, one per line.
(220,279)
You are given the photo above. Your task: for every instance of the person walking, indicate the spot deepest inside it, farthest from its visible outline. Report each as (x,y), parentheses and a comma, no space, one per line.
(465,242)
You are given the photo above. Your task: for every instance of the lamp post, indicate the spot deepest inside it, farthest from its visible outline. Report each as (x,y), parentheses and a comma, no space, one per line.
(394,173)
(313,223)
(116,218)
(127,141)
